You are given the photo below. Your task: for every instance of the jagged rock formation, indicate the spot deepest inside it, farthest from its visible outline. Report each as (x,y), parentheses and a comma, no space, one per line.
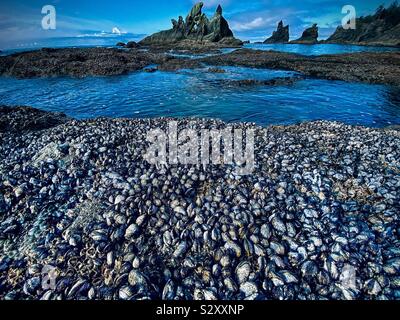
(309,36)
(281,35)
(196,28)
(382,28)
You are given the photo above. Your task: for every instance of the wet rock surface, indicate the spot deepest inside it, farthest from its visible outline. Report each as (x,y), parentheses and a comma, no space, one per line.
(378,68)
(187,47)
(76,62)
(317,219)
(368,67)
(177,64)
(279,81)
(21,119)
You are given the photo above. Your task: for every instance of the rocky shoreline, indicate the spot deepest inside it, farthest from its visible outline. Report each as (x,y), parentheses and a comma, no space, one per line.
(367,67)
(76,62)
(322,203)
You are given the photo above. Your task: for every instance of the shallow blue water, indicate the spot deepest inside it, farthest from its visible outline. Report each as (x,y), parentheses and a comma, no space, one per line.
(202,94)
(90,40)
(110,40)
(318,49)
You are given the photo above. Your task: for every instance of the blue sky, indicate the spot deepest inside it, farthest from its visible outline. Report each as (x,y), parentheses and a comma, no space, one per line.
(20,20)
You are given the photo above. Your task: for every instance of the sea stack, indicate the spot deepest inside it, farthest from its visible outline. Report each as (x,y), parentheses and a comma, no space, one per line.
(309,36)
(281,35)
(381,28)
(196,28)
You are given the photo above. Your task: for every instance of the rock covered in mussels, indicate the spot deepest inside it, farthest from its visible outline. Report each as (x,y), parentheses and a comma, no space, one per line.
(281,35)
(76,62)
(22,119)
(197,27)
(318,218)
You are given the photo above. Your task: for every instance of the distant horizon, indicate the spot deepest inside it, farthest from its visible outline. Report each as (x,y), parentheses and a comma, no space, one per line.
(20,22)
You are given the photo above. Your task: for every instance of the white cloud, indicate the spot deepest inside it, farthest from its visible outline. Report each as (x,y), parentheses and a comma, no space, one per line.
(212,3)
(117,31)
(26,25)
(250,25)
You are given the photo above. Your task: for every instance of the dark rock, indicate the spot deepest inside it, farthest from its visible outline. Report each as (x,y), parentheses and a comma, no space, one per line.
(382,28)
(150,70)
(230,42)
(281,35)
(186,47)
(216,70)
(120,44)
(179,63)
(309,36)
(76,62)
(382,67)
(49,50)
(3,208)
(195,28)
(218,28)
(63,148)
(280,81)
(246,42)
(132,45)
(22,119)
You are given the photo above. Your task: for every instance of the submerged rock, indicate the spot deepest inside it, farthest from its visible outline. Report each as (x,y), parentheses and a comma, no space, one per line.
(196,28)
(281,35)
(279,81)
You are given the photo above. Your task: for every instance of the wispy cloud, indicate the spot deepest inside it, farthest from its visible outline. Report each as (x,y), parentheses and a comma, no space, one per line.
(212,3)
(26,25)
(250,25)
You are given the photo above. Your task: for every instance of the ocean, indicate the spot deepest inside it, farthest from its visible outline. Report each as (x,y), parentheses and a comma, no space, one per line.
(196,93)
